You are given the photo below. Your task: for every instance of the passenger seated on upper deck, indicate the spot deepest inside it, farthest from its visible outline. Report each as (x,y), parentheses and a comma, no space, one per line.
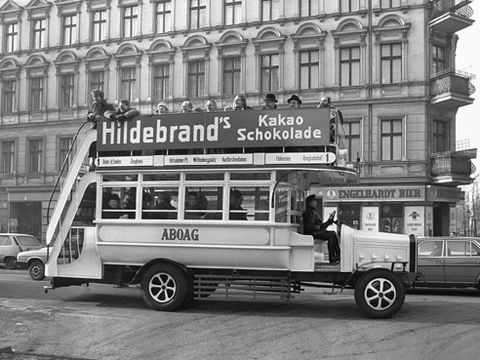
(123,112)
(98,107)
(312,225)
(270,102)
(236,210)
(239,104)
(161,108)
(211,106)
(193,202)
(294,102)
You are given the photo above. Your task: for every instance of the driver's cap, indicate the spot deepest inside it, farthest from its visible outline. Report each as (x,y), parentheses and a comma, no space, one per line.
(310,198)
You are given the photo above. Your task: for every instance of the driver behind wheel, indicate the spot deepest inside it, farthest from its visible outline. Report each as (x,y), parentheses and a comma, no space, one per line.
(313,225)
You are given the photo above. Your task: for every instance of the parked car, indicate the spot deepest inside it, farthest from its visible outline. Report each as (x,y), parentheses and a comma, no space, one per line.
(34,261)
(13,243)
(449,262)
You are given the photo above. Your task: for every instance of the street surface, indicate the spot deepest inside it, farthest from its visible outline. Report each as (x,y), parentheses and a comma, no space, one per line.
(102,322)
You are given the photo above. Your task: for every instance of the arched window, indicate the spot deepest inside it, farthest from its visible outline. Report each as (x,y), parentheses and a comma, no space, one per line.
(391,39)
(269,54)
(96,70)
(232,61)
(67,74)
(36,73)
(9,77)
(161,64)
(196,60)
(128,66)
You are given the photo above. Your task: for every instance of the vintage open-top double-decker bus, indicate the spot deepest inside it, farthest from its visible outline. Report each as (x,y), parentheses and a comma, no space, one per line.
(188,204)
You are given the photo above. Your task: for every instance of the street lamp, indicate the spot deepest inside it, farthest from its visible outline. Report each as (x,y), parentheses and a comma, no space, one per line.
(468,221)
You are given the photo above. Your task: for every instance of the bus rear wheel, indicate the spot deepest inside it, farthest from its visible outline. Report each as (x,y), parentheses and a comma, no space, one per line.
(379,293)
(165,287)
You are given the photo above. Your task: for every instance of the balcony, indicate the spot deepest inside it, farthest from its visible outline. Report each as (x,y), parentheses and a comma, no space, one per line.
(453,167)
(450,16)
(451,89)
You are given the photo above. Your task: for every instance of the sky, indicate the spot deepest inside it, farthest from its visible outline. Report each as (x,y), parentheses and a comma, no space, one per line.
(468,59)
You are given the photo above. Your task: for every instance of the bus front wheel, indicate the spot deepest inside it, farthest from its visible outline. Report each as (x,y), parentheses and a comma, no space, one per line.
(165,287)
(379,293)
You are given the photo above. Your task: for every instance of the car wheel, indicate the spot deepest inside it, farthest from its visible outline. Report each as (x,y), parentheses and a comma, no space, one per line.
(36,270)
(165,287)
(379,293)
(10,263)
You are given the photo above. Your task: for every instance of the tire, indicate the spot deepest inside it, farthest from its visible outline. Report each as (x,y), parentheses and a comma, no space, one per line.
(10,263)
(36,270)
(379,293)
(165,287)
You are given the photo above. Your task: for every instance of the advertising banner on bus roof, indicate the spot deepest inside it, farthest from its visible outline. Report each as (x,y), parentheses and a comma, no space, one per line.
(205,130)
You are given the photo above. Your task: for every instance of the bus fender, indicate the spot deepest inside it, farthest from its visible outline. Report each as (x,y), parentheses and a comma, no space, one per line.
(138,275)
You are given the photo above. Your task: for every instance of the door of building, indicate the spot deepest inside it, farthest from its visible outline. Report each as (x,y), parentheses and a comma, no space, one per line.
(27,215)
(441,219)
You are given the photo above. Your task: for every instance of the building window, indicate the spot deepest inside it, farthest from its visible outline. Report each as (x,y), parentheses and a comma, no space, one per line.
(35,152)
(127,82)
(269,10)
(39,30)
(352,140)
(8,157)
(11,37)
(387,4)
(99,25)
(309,69)
(348,6)
(439,61)
(64,144)
(196,78)
(391,63)
(97,80)
(163,11)
(198,13)
(305,8)
(36,88)
(269,77)
(350,66)
(233,12)
(130,20)
(391,139)
(231,75)
(66,90)
(161,75)
(9,96)
(69,29)
(440,142)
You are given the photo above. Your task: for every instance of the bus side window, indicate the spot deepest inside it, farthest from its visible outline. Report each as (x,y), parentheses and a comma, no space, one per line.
(253,204)
(159,203)
(204,202)
(118,203)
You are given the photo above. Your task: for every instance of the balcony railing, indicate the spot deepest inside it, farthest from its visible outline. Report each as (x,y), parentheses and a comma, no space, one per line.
(450,16)
(454,167)
(460,8)
(452,88)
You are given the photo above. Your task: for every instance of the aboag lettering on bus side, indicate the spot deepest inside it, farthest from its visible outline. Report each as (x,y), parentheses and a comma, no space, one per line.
(180,234)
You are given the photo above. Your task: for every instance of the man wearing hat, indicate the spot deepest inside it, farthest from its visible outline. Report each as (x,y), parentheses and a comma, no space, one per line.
(270,102)
(313,225)
(294,102)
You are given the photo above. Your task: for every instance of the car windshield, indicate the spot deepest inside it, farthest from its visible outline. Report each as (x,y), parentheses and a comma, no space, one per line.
(27,241)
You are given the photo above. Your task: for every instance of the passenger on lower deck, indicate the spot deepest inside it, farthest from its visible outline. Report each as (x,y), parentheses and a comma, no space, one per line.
(313,225)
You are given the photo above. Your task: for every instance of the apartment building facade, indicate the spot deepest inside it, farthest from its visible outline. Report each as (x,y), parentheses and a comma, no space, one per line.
(389,65)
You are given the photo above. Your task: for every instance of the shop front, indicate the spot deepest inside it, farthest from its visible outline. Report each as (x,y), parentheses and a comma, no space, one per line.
(408,209)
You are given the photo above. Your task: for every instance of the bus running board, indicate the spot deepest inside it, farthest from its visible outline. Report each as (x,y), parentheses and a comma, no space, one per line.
(234,285)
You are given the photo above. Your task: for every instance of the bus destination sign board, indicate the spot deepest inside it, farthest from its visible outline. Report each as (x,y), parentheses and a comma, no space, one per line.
(233,129)
(215,160)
